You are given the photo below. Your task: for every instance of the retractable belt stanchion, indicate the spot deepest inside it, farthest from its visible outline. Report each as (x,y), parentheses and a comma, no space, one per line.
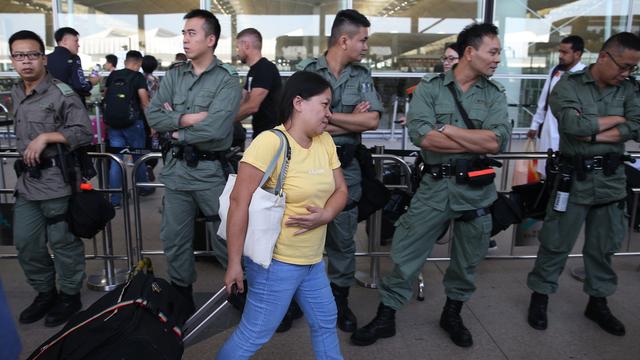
(111,277)
(404,127)
(137,219)
(394,118)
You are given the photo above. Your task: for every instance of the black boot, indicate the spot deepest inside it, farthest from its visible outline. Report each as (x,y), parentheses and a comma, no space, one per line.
(293,313)
(39,307)
(382,326)
(452,323)
(346,319)
(187,294)
(538,311)
(598,311)
(65,307)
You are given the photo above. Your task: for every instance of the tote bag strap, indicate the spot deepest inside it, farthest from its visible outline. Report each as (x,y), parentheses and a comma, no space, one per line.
(285,163)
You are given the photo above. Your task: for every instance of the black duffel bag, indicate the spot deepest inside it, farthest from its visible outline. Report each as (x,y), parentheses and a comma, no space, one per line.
(375,194)
(505,212)
(139,320)
(89,212)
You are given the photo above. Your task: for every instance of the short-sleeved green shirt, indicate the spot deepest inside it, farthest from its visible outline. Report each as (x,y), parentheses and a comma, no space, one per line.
(577,102)
(354,86)
(52,106)
(217,91)
(486,104)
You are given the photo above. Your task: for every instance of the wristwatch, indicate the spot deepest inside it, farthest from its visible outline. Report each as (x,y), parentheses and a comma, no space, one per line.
(440,127)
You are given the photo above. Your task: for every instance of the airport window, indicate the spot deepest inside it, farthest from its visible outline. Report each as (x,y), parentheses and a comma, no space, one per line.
(114,27)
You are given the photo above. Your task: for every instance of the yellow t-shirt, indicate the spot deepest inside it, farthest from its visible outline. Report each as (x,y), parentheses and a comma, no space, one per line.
(309,181)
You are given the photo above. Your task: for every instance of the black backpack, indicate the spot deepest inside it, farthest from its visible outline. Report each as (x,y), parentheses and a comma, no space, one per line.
(121,104)
(139,320)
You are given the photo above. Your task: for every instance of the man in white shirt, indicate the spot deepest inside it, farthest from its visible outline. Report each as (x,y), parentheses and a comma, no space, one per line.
(544,124)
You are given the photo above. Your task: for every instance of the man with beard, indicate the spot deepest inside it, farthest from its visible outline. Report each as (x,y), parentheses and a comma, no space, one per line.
(544,124)
(262,86)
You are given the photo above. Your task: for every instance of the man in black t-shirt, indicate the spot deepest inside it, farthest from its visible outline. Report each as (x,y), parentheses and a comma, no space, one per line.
(135,134)
(263,83)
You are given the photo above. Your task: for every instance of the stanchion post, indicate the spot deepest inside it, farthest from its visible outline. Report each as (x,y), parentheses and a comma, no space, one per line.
(404,127)
(632,221)
(111,277)
(394,118)
(370,280)
(137,218)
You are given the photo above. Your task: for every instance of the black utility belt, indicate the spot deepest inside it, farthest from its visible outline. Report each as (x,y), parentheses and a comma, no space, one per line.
(608,163)
(192,155)
(35,172)
(473,172)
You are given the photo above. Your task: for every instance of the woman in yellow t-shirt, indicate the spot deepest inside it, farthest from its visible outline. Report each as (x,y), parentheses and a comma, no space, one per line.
(316,193)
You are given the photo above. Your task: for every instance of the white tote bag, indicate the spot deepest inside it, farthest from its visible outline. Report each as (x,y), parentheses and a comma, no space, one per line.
(265,210)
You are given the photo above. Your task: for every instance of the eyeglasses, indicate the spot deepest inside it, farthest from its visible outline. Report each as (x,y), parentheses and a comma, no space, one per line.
(623,68)
(29,55)
(449,58)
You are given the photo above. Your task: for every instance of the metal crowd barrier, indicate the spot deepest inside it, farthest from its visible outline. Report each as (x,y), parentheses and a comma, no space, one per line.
(110,277)
(370,280)
(137,218)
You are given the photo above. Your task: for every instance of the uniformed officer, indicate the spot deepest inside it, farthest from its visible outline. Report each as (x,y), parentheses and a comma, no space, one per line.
(598,110)
(197,102)
(64,63)
(356,108)
(450,189)
(47,113)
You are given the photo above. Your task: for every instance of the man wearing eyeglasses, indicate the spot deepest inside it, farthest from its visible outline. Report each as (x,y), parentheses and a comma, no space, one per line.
(47,113)
(598,110)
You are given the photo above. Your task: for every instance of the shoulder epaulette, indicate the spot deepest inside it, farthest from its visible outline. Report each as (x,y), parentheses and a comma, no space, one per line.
(305,63)
(497,84)
(65,89)
(576,73)
(431,77)
(230,69)
(361,65)
(177,64)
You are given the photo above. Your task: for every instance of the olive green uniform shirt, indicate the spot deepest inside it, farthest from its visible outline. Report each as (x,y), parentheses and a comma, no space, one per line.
(577,102)
(432,103)
(354,86)
(52,106)
(217,90)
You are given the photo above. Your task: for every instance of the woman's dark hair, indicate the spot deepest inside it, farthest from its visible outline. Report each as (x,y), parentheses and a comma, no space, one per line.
(149,64)
(304,84)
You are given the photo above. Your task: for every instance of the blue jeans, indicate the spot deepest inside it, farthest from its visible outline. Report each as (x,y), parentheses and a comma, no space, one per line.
(133,136)
(270,292)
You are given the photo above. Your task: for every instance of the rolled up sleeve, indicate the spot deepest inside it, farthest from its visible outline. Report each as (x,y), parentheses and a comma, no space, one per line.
(77,126)
(422,116)
(218,125)
(573,118)
(498,120)
(630,129)
(159,118)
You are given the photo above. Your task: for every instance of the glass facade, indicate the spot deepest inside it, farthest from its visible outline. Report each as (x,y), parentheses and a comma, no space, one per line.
(407,37)
(530,32)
